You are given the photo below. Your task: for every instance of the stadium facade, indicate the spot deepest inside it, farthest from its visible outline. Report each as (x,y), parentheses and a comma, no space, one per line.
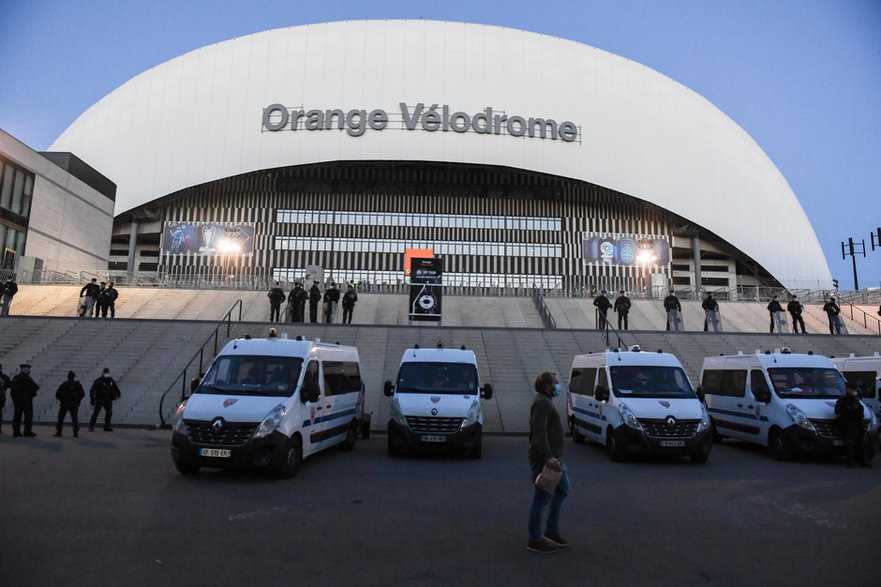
(518,158)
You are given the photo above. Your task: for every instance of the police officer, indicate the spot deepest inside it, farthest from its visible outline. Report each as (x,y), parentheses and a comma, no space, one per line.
(709,305)
(795,309)
(622,307)
(90,291)
(276,297)
(602,304)
(774,307)
(112,295)
(102,394)
(314,299)
(70,393)
(331,297)
(350,298)
(832,311)
(849,412)
(4,385)
(7,292)
(23,390)
(671,302)
(298,299)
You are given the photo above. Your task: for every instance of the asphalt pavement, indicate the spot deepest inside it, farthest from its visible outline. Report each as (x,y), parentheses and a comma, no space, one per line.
(110,509)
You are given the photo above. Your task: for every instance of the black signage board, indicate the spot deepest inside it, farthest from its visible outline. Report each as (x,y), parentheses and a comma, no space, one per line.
(426,291)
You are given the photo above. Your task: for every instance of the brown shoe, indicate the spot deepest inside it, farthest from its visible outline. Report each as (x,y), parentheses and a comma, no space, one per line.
(556,539)
(542,547)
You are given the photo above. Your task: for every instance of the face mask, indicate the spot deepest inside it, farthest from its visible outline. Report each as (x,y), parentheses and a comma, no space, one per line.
(558,389)
(106,374)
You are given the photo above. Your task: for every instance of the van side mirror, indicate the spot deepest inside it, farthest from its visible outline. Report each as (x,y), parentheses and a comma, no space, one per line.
(310,392)
(762,395)
(601,393)
(387,389)
(700,394)
(486,391)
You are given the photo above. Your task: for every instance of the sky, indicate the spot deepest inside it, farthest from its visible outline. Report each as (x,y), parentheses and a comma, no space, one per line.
(802,77)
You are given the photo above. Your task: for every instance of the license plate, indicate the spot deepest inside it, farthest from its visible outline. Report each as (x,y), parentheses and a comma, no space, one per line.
(672,443)
(838,442)
(223,453)
(432,438)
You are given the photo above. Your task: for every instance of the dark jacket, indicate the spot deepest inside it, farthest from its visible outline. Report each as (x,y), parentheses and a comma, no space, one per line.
(545,430)
(671,302)
(794,307)
(298,296)
(774,306)
(91,290)
(70,391)
(112,293)
(104,388)
(349,299)
(622,304)
(23,387)
(276,296)
(831,308)
(9,289)
(314,296)
(332,294)
(849,411)
(710,304)
(4,385)
(603,303)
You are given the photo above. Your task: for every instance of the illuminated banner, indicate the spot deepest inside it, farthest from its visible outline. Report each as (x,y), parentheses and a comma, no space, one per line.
(207,238)
(626,250)
(411,253)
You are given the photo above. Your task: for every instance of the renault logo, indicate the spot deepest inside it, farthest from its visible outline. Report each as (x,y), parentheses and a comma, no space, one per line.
(671,422)
(218,424)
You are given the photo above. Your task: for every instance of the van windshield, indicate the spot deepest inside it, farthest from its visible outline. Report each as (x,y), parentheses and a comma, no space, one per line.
(452,378)
(807,382)
(651,381)
(252,375)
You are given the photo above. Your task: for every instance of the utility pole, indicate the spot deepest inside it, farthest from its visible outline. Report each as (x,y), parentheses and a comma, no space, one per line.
(852,249)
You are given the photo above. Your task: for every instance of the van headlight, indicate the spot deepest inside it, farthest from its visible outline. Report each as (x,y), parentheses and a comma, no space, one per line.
(396,414)
(271,422)
(471,416)
(629,417)
(705,420)
(799,418)
(179,425)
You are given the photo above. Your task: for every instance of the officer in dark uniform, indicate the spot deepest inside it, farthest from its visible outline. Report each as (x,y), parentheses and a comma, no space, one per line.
(23,390)
(795,309)
(298,299)
(276,297)
(314,299)
(849,412)
(671,302)
(331,297)
(622,307)
(70,393)
(832,311)
(709,305)
(4,385)
(602,304)
(773,307)
(103,393)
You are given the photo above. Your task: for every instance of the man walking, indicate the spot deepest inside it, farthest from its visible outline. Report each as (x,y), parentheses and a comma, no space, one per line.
(23,390)
(103,393)
(849,412)
(774,307)
(90,291)
(711,309)
(7,292)
(314,299)
(70,393)
(795,309)
(622,307)
(349,300)
(276,297)
(832,311)
(602,304)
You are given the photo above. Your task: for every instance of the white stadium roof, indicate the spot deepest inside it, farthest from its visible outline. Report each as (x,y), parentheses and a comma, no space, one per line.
(199,117)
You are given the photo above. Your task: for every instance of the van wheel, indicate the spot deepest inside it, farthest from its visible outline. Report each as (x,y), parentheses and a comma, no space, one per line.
(577,436)
(777,446)
(351,436)
(477,450)
(394,450)
(288,466)
(186,468)
(617,450)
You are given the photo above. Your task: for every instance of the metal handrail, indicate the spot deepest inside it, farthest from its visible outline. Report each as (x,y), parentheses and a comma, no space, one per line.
(866,315)
(543,310)
(227,319)
(608,327)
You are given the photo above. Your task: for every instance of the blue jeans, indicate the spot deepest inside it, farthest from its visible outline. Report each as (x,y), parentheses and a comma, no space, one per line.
(540,501)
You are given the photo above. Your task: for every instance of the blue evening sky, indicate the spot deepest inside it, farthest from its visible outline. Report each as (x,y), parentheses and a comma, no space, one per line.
(802,77)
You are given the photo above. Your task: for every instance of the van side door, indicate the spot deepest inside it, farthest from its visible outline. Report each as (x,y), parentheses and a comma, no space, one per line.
(582,402)
(313,408)
(342,380)
(758,386)
(726,397)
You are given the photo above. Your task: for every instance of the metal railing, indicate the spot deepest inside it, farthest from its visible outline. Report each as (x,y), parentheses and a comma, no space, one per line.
(856,313)
(182,377)
(543,310)
(603,323)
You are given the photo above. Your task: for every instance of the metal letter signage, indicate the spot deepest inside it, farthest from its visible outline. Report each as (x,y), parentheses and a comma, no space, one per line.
(355,122)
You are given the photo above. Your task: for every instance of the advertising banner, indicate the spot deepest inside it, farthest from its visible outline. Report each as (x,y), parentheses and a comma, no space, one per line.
(426,291)
(415,253)
(207,238)
(626,250)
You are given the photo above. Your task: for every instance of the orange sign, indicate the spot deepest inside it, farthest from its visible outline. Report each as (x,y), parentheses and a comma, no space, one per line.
(415,253)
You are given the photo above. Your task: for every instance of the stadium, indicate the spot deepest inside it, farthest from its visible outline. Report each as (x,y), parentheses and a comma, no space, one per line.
(520,159)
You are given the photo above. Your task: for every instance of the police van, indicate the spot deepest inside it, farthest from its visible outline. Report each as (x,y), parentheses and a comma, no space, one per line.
(270,403)
(865,374)
(784,401)
(636,403)
(436,402)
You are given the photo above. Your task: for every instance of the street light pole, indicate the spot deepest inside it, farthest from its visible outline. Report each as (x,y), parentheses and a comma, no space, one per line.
(852,249)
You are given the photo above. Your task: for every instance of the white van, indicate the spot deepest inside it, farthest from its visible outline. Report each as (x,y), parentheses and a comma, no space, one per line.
(436,402)
(637,403)
(783,401)
(865,374)
(270,403)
